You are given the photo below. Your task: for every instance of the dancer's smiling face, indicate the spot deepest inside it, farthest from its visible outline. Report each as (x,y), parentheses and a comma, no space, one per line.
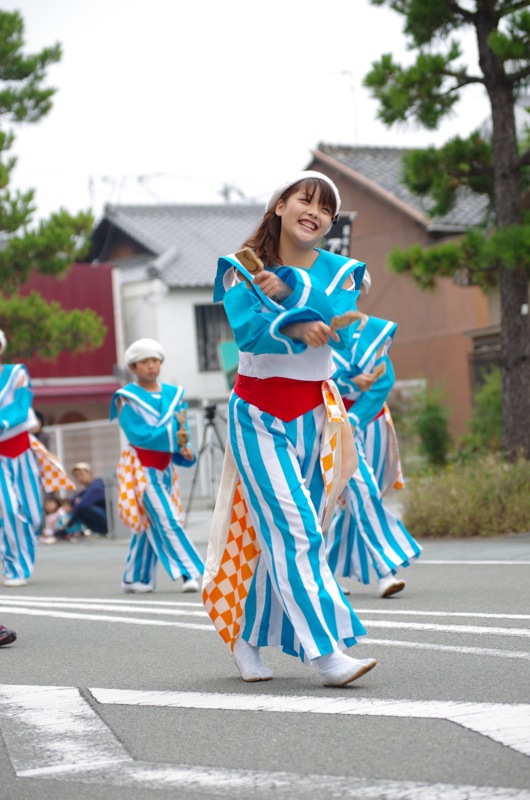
(306,212)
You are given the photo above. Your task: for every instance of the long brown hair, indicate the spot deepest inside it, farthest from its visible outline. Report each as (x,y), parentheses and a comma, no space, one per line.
(265,241)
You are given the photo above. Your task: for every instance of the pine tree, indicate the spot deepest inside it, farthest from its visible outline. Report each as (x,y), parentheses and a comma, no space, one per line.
(493,163)
(32,326)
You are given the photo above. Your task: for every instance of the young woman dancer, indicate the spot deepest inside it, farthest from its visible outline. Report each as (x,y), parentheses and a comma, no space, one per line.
(152,416)
(364,534)
(267,580)
(21,506)
(27,471)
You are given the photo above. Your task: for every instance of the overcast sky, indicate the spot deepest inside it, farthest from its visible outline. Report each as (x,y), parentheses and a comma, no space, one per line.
(170,100)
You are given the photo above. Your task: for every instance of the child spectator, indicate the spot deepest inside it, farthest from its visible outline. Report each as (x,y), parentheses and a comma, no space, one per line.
(67,528)
(52,512)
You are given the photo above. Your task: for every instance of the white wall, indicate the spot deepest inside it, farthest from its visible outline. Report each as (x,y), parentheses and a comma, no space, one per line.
(171,320)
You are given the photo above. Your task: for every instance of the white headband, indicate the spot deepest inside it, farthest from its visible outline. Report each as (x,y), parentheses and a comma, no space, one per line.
(3,342)
(303,176)
(143,348)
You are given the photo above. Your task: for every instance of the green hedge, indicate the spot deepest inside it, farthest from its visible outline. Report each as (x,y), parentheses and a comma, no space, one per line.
(483,497)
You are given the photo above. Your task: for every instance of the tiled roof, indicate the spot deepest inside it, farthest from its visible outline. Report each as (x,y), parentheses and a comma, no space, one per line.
(383,166)
(184,241)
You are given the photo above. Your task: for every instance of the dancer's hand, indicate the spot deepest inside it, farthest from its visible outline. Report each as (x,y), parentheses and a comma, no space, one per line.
(313,334)
(364,381)
(272,286)
(187,453)
(182,437)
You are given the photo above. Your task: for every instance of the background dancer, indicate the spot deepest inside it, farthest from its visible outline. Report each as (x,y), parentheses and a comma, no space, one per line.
(381,446)
(364,535)
(152,416)
(267,580)
(21,507)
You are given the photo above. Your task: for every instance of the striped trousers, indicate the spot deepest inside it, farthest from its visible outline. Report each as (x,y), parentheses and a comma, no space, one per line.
(21,513)
(364,534)
(164,540)
(294,602)
(375,447)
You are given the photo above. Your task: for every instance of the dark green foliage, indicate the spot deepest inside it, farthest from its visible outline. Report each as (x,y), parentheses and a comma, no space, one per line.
(33,326)
(485,425)
(433,428)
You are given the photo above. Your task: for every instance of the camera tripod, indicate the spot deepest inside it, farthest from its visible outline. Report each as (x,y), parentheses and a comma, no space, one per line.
(211,441)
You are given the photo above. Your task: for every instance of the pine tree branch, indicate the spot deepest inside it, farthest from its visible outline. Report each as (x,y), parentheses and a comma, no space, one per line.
(462,80)
(511,9)
(468,16)
(514,77)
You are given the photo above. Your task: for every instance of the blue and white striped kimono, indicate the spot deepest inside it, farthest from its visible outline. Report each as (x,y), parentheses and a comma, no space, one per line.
(294,602)
(149,422)
(381,448)
(21,510)
(364,534)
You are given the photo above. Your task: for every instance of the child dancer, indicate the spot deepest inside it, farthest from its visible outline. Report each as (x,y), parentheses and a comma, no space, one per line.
(267,580)
(364,534)
(152,416)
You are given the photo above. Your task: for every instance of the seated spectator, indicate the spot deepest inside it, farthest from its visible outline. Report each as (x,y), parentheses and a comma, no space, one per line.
(89,508)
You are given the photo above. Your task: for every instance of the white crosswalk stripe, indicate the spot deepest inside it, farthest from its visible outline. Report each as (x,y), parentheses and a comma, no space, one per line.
(53,733)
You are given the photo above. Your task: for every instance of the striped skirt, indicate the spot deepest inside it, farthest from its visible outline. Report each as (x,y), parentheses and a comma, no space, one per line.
(294,602)
(164,539)
(21,513)
(364,535)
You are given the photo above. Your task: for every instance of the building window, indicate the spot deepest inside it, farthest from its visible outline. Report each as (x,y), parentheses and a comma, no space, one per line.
(212,327)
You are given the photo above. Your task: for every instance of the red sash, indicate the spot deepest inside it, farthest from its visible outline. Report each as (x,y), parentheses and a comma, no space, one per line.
(11,448)
(284,398)
(349,403)
(153,458)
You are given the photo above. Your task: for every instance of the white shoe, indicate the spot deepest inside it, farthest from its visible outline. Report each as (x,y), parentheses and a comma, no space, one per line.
(136,587)
(338,669)
(190,585)
(390,585)
(249,663)
(15,581)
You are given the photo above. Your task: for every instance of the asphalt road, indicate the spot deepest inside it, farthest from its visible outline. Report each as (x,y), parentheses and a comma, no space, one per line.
(106,695)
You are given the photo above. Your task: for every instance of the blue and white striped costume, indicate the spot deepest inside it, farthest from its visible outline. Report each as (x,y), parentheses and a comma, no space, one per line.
(21,508)
(364,534)
(382,452)
(149,422)
(294,602)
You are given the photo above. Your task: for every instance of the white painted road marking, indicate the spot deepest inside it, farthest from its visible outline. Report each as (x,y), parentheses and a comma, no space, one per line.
(57,607)
(463,563)
(506,723)
(153,605)
(53,733)
(39,608)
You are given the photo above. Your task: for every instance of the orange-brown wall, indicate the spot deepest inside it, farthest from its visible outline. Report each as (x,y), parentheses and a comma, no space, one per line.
(433,338)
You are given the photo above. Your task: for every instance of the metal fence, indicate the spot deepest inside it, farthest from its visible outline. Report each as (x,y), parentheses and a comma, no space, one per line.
(100,443)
